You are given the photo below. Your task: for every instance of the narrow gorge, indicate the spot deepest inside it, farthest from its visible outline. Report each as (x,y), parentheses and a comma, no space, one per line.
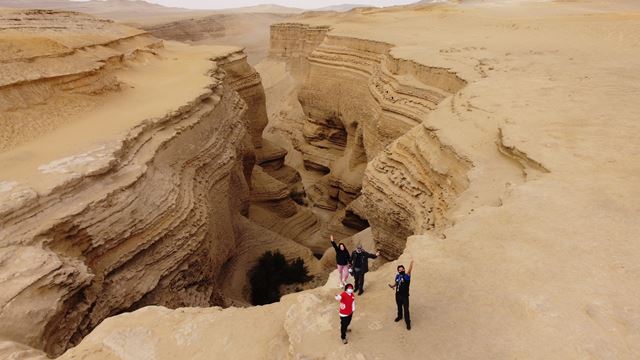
(176,212)
(143,179)
(360,132)
(156,211)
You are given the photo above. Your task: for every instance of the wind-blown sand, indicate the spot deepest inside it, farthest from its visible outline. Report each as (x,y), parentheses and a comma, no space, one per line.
(248,30)
(45,142)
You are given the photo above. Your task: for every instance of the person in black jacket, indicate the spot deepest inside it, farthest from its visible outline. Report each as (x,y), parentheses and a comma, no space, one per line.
(401,286)
(360,266)
(342,260)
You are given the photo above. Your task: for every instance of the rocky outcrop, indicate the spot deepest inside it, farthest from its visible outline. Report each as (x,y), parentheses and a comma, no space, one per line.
(188,30)
(151,218)
(409,187)
(248,30)
(295,40)
(520,183)
(276,189)
(35,69)
(358,99)
(247,83)
(126,260)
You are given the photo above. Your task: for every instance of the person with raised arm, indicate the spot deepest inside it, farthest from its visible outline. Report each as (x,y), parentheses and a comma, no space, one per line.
(347,307)
(360,266)
(342,260)
(401,287)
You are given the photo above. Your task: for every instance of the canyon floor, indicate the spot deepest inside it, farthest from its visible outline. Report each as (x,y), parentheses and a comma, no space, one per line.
(495,144)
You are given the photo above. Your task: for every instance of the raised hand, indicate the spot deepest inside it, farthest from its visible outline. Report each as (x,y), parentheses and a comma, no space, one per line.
(332,239)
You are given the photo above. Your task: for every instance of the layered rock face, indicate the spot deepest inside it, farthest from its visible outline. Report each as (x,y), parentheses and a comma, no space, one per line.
(519,183)
(519,178)
(32,71)
(357,99)
(409,188)
(247,30)
(149,215)
(293,43)
(191,30)
(296,40)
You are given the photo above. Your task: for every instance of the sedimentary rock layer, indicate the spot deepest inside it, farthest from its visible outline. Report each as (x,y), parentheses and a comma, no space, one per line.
(145,238)
(188,30)
(523,185)
(358,98)
(150,216)
(38,63)
(295,39)
(247,30)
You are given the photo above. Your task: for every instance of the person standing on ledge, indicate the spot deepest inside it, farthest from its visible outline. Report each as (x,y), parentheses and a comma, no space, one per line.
(342,260)
(402,283)
(347,307)
(360,266)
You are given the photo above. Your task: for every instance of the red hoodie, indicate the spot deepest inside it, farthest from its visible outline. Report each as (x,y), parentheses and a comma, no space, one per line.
(347,303)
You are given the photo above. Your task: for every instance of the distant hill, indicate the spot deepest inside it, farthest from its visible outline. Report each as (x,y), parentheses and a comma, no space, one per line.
(114,9)
(129,10)
(89,6)
(137,9)
(423,2)
(264,8)
(341,8)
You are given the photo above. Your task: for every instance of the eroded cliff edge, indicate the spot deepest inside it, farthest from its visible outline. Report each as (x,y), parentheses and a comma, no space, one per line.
(522,249)
(362,131)
(128,169)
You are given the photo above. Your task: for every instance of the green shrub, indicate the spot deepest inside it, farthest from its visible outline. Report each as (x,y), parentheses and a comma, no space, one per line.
(272,271)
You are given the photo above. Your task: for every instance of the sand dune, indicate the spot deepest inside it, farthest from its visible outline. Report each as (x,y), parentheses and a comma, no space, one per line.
(248,30)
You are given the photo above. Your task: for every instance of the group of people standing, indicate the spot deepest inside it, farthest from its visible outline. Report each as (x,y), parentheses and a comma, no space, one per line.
(357,264)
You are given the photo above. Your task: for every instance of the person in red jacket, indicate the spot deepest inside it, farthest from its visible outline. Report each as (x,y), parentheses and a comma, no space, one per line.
(347,307)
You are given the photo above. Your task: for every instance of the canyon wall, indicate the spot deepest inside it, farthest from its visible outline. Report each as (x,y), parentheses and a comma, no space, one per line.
(503,137)
(150,218)
(247,30)
(511,160)
(295,40)
(357,100)
(189,30)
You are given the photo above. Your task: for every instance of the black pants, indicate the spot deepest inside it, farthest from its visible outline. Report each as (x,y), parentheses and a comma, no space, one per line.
(403,304)
(344,324)
(359,279)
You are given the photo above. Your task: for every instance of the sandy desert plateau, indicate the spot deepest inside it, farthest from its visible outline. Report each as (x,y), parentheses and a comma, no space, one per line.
(150,156)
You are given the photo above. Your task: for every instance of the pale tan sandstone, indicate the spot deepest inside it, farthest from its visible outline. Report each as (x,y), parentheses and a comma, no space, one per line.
(243,27)
(519,180)
(188,30)
(275,187)
(341,135)
(109,9)
(128,183)
(520,185)
(249,30)
(16,351)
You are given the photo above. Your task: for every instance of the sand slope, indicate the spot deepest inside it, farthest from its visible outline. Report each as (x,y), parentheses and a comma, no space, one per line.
(129,165)
(533,257)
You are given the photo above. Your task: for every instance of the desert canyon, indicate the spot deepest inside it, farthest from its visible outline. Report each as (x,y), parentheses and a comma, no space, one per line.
(150,157)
